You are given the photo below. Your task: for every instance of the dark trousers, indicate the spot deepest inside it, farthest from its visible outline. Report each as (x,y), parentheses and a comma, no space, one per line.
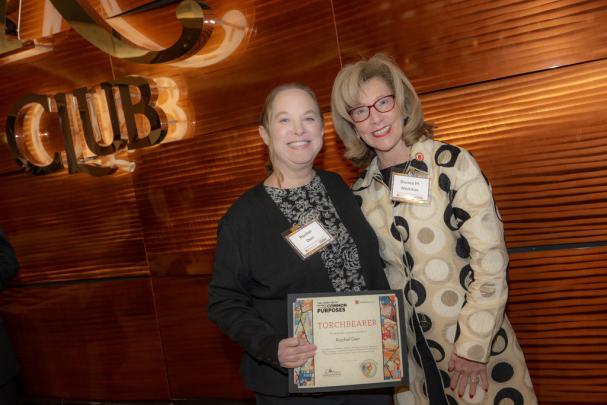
(9,393)
(384,397)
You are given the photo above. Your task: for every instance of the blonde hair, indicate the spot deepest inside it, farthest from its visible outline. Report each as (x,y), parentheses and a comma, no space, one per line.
(344,97)
(266,112)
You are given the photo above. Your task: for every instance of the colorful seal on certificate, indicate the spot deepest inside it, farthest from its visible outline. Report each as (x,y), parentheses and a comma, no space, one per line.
(369,368)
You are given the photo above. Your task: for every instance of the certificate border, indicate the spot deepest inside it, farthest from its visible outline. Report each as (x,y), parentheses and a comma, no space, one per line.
(403,342)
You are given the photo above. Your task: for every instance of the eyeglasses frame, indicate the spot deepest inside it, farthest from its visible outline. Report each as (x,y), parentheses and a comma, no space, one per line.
(372,105)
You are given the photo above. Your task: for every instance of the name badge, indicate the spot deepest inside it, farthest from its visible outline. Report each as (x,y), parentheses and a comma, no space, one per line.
(408,188)
(309,239)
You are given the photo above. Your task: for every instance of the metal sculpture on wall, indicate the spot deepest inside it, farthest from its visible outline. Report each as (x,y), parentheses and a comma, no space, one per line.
(222,31)
(231,23)
(190,13)
(7,44)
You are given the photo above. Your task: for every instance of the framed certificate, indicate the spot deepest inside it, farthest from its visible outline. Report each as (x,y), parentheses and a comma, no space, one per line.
(359,336)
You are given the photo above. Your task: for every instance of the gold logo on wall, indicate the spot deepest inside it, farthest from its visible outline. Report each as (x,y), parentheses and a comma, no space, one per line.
(208,35)
(90,129)
(190,13)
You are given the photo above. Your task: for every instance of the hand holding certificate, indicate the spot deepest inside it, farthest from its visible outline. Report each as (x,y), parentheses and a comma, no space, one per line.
(359,339)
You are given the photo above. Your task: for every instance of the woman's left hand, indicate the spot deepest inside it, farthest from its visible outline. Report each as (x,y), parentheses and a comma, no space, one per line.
(294,352)
(464,372)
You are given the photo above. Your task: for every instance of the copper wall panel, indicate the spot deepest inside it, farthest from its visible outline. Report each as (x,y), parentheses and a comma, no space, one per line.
(294,43)
(202,362)
(331,156)
(443,44)
(183,188)
(87,341)
(540,139)
(8,165)
(67,227)
(556,307)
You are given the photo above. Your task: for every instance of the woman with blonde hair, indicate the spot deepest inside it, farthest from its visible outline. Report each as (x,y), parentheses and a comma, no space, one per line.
(441,239)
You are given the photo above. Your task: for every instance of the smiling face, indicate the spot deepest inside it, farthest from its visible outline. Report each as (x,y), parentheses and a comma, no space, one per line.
(294,132)
(382,131)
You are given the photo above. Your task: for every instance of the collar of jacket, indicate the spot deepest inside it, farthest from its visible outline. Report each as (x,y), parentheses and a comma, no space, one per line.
(420,155)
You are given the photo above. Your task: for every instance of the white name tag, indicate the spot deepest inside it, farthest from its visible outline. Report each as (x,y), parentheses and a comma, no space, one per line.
(308,239)
(410,188)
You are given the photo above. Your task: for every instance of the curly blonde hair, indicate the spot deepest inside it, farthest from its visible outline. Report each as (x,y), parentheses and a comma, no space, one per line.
(344,97)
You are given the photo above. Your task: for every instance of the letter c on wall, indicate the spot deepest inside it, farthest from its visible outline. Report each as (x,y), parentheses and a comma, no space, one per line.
(84,20)
(35,148)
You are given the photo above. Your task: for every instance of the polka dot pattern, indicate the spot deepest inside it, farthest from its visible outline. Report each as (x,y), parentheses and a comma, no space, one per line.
(481,322)
(509,396)
(466,276)
(475,352)
(462,248)
(455,277)
(437,271)
(415,293)
(447,303)
(488,292)
(429,240)
(400,229)
(445,184)
(409,261)
(437,351)
(493,262)
(449,333)
(446,155)
(500,343)
(502,372)
(424,322)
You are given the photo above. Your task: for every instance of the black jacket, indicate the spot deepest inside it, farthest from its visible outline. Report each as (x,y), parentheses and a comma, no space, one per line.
(255,269)
(8,269)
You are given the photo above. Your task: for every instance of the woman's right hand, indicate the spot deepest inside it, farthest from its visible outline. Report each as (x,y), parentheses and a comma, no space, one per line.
(293,352)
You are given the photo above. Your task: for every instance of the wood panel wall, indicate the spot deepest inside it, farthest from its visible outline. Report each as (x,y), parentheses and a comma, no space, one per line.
(110,300)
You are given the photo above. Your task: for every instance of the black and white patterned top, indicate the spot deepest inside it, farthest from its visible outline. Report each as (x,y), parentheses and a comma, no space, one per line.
(302,205)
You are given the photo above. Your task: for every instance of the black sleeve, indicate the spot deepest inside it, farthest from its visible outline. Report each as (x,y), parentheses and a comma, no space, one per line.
(8,262)
(231,306)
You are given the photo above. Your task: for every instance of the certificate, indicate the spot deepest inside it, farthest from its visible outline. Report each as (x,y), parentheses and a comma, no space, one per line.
(359,337)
